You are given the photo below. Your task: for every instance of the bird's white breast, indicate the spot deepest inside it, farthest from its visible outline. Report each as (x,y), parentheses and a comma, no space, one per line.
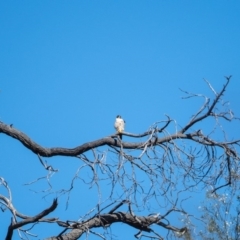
(119,124)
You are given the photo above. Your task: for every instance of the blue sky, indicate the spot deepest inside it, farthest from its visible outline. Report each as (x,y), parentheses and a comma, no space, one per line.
(67,68)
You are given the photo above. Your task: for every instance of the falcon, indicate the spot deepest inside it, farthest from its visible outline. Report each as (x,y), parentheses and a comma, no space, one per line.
(119,125)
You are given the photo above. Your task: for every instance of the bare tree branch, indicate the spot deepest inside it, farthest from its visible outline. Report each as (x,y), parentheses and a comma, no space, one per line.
(16,225)
(138,222)
(157,168)
(211,107)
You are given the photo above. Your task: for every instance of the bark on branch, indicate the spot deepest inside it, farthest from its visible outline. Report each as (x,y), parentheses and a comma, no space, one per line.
(105,220)
(72,152)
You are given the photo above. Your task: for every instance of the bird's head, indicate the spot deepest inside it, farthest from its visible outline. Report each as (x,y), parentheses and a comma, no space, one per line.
(118,116)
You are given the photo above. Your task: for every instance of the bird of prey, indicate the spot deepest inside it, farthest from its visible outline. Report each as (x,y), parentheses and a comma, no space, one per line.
(119,125)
